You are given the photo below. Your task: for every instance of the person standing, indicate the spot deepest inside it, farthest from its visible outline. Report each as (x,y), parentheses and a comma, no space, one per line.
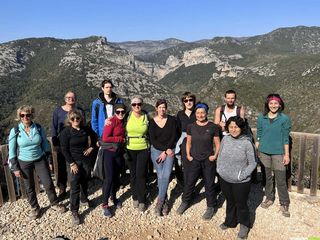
(203,144)
(236,162)
(77,143)
(162,133)
(114,138)
(273,129)
(137,145)
(58,119)
(28,152)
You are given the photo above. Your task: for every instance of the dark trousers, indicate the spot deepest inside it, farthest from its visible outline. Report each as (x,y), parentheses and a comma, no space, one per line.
(79,183)
(138,164)
(237,208)
(62,172)
(185,162)
(41,167)
(194,171)
(113,164)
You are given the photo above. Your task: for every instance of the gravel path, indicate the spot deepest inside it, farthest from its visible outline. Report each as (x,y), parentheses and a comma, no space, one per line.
(128,223)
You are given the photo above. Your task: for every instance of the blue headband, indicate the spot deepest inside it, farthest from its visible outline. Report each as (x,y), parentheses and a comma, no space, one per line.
(202,105)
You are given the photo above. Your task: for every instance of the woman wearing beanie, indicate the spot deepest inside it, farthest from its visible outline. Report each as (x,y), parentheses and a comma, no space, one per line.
(137,145)
(235,163)
(273,129)
(114,134)
(203,144)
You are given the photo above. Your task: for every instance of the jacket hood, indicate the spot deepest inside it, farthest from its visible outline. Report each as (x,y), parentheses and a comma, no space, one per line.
(101,97)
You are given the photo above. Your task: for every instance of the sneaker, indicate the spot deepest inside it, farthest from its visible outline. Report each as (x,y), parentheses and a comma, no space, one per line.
(223,226)
(182,208)
(285,210)
(142,207)
(165,208)
(106,212)
(34,213)
(209,213)
(243,232)
(59,208)
(135,203)
(158,208)
(267,203)
(75,218)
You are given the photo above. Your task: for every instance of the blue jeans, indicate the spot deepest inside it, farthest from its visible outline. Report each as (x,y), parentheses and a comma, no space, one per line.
(164,170)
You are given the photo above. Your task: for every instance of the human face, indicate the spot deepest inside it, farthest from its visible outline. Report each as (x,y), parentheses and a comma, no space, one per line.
(161,110)
(201,115)
(136,107)
(75,121)
(230,99)
(273,106)
(70,98)
(25,118)
(107,89)
(188,103)
(120,112)
(234,130)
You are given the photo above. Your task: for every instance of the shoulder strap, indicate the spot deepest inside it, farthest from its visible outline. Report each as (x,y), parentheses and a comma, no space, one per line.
(222,108)
(238,110)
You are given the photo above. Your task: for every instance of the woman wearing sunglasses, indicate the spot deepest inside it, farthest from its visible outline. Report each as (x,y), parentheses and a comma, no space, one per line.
(28,151)
(114,137)
(77,143)
(137,146)
(162,132)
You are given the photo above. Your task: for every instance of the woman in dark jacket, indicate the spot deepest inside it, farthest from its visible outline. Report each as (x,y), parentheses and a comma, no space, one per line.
(77,143)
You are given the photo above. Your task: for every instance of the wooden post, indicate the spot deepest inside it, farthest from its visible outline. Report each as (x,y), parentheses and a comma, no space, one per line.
(1,196)
(302,156)
(314,167)
(10,184)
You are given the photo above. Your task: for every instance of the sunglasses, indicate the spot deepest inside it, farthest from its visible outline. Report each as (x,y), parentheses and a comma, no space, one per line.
(75,118)
(136,104)
(120,112)
(188,100)
(25,115)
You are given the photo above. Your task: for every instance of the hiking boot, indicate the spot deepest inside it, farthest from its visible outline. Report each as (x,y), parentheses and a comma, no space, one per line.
(62,195)
(267,203)
(165,208)
(243,232)
(223,226)
(209,213)
(285,210)
(106,212)
(182,208)
(87,203)
(157,209)
(135,203)
(142,207)
(34,213)
(75,218)
(59,208)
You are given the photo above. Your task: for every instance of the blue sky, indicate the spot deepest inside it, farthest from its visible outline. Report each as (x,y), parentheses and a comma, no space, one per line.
(123,20)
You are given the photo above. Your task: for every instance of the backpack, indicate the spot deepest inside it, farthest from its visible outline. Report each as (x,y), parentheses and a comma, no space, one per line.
(222,108)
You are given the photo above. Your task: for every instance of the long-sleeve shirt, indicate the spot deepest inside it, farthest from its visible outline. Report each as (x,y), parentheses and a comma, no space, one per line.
(273,135)
(30,147)
(74,142)
(163,138)
(114,132)
(236,159)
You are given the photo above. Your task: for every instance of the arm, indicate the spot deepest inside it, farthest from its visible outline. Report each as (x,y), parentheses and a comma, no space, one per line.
(216,146)
(179,127)
(217,119)
(172,139)
(65,147)
(94,118)
(107,135)
(259,131)
(54,128)
(45,144)
(286,131)
(188,147)
(242,112)
(251,162)
(13,158)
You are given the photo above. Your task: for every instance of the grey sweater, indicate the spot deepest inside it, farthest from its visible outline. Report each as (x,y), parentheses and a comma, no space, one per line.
(236,159)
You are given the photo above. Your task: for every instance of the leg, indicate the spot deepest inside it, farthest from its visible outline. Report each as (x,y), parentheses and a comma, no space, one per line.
(240,194)
(269,188)
(62,173)
(117,169)
(74,190)
(132,161)
(194,170)
(281,181)
(165,177)
(155,153)
(231,216)
(209,173)
(108,181)
(84,179)
(141,174)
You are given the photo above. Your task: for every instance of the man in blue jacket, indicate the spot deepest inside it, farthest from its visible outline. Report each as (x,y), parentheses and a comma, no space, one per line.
(102,107)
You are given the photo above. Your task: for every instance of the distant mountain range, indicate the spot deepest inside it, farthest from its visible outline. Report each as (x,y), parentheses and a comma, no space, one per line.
(39,71)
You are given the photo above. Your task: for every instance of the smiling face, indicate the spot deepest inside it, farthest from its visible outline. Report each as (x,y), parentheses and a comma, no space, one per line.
(136,107)
(70,98)
(161,110)
(201,114)
(230,99)
(25,118)
(274,106)
(234,130)
(75,120)
(188,103)
(120,113)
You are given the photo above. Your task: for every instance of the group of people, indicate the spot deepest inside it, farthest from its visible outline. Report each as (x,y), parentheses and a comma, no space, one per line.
(221,152)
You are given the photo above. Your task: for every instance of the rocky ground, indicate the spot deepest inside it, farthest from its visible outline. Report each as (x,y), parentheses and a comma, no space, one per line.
(128,223)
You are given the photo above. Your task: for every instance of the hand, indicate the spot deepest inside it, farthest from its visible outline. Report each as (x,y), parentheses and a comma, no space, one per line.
(98,144)
(170,153)
(286,159)
(190,158)
(222,124)
(74,168)
(50,167)
(212,158)
(162,156)
(107,122)
(88,151)
(17,173)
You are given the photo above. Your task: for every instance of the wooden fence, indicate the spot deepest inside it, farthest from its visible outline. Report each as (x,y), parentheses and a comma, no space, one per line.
(305,155)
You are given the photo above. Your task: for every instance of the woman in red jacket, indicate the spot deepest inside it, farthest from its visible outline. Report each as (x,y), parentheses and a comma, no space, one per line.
(114,134)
